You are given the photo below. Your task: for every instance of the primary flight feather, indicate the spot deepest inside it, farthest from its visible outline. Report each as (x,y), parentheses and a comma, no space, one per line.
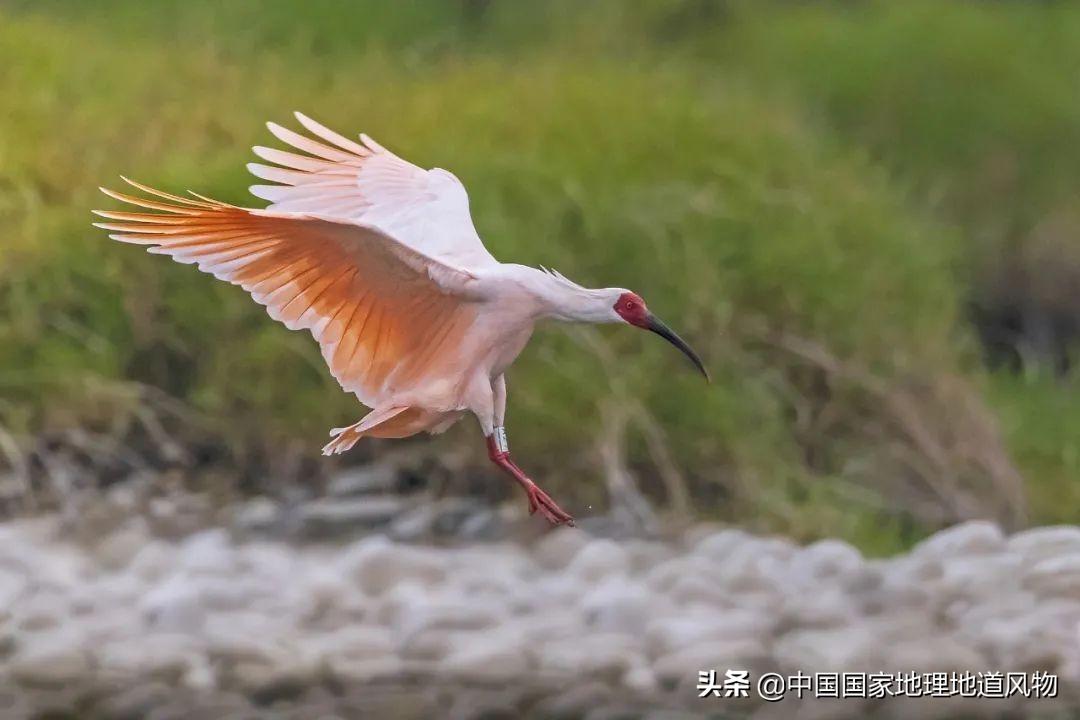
(379,259)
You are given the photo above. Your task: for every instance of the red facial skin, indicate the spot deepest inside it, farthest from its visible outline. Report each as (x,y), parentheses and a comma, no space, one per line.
(631,308)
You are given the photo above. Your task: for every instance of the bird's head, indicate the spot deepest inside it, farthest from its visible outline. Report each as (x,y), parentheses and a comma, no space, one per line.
(631,309)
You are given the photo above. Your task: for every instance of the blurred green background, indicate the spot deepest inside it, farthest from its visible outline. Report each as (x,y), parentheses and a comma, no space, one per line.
(865,215)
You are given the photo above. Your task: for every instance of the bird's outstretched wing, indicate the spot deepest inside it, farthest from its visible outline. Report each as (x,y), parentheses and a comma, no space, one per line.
(426,209)
(380,310)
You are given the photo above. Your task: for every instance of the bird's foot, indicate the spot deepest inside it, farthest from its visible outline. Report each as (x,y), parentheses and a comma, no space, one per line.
(540,500)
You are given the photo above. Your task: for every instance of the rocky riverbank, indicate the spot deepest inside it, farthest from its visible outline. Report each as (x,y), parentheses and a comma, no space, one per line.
(219,623)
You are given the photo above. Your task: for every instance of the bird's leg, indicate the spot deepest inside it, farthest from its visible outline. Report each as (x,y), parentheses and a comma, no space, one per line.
(499,452)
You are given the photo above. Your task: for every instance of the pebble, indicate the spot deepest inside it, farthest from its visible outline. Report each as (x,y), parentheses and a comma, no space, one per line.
(574,625)
(1057,576)
(54,663)
(683,664)
(974,537)
(364,480)
(174,605)
(377,565)
(669,634)
(559,546)
(576,700)
(618,605)
(260,515)
(485,662)
(607,655)
(331,518)
(1042,542)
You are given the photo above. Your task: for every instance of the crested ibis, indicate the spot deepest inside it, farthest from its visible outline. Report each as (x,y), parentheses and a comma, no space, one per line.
(380,261)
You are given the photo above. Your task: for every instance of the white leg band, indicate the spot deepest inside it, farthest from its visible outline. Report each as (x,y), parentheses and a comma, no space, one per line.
(501,443)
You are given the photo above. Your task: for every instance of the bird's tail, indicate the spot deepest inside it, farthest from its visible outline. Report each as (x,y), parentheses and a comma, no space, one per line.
(391,422)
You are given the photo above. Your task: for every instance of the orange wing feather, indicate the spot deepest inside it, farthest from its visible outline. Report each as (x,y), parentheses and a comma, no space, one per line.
(381,312)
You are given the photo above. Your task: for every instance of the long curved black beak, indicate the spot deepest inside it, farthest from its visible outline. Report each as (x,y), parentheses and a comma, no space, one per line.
(660,328)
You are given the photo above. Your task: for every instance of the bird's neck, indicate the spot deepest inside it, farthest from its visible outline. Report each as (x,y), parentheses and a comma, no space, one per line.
(565,300)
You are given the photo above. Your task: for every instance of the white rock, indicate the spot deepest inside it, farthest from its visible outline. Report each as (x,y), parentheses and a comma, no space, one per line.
(576,701)
(209,552)
(13,586)
(978,578)
(377,565)
(1020,631)
(549,593)
(782,549)
(493,571)
(484,660)
(108,624)
(1043,542)
(948,708)
(970,538)
(811,708)
(404,601)
(232,639)
(716,547)
(458,614)
(690,590)
(434,644)
(831,559)
(353,643)
(1013,606)
(554,624)
(603,655)
(762,601)
(270,559)
(123,545)
(665,576)
(666,635)
(619,605)
(334,517)
(555,550)
(166,657)
(116,590)
(366,671)
(833,649)
(906,584)
(153,561)
(679,666)
(937,653)
(363,480)
(750,573)
(597,560)
(640,679)
(270,679)
(646,554)
(49,664)
(200,676)
(827,607)
(1055,576)
(330,596)
(257,515)
(42,611)
(174,605)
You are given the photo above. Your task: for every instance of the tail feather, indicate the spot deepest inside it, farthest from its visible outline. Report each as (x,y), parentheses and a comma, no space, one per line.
(392,422)
(344,438)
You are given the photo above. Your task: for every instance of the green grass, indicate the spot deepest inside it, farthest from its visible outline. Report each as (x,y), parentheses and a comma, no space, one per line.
(754,175)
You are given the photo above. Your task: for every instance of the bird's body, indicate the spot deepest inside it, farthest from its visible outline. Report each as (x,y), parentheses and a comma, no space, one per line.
(380,261)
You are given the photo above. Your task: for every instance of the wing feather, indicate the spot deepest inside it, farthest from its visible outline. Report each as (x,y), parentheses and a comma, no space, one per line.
(358,290)
(428,210)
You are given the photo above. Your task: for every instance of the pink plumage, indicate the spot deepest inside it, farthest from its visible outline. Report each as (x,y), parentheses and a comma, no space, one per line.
(380,261)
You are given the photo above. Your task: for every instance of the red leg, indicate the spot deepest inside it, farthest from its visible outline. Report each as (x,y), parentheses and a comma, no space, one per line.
(538,499)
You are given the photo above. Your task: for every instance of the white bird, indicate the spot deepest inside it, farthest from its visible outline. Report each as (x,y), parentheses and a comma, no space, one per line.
(380,261)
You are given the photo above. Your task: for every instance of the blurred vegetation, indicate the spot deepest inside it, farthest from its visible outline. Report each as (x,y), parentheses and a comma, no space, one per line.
(865,216)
